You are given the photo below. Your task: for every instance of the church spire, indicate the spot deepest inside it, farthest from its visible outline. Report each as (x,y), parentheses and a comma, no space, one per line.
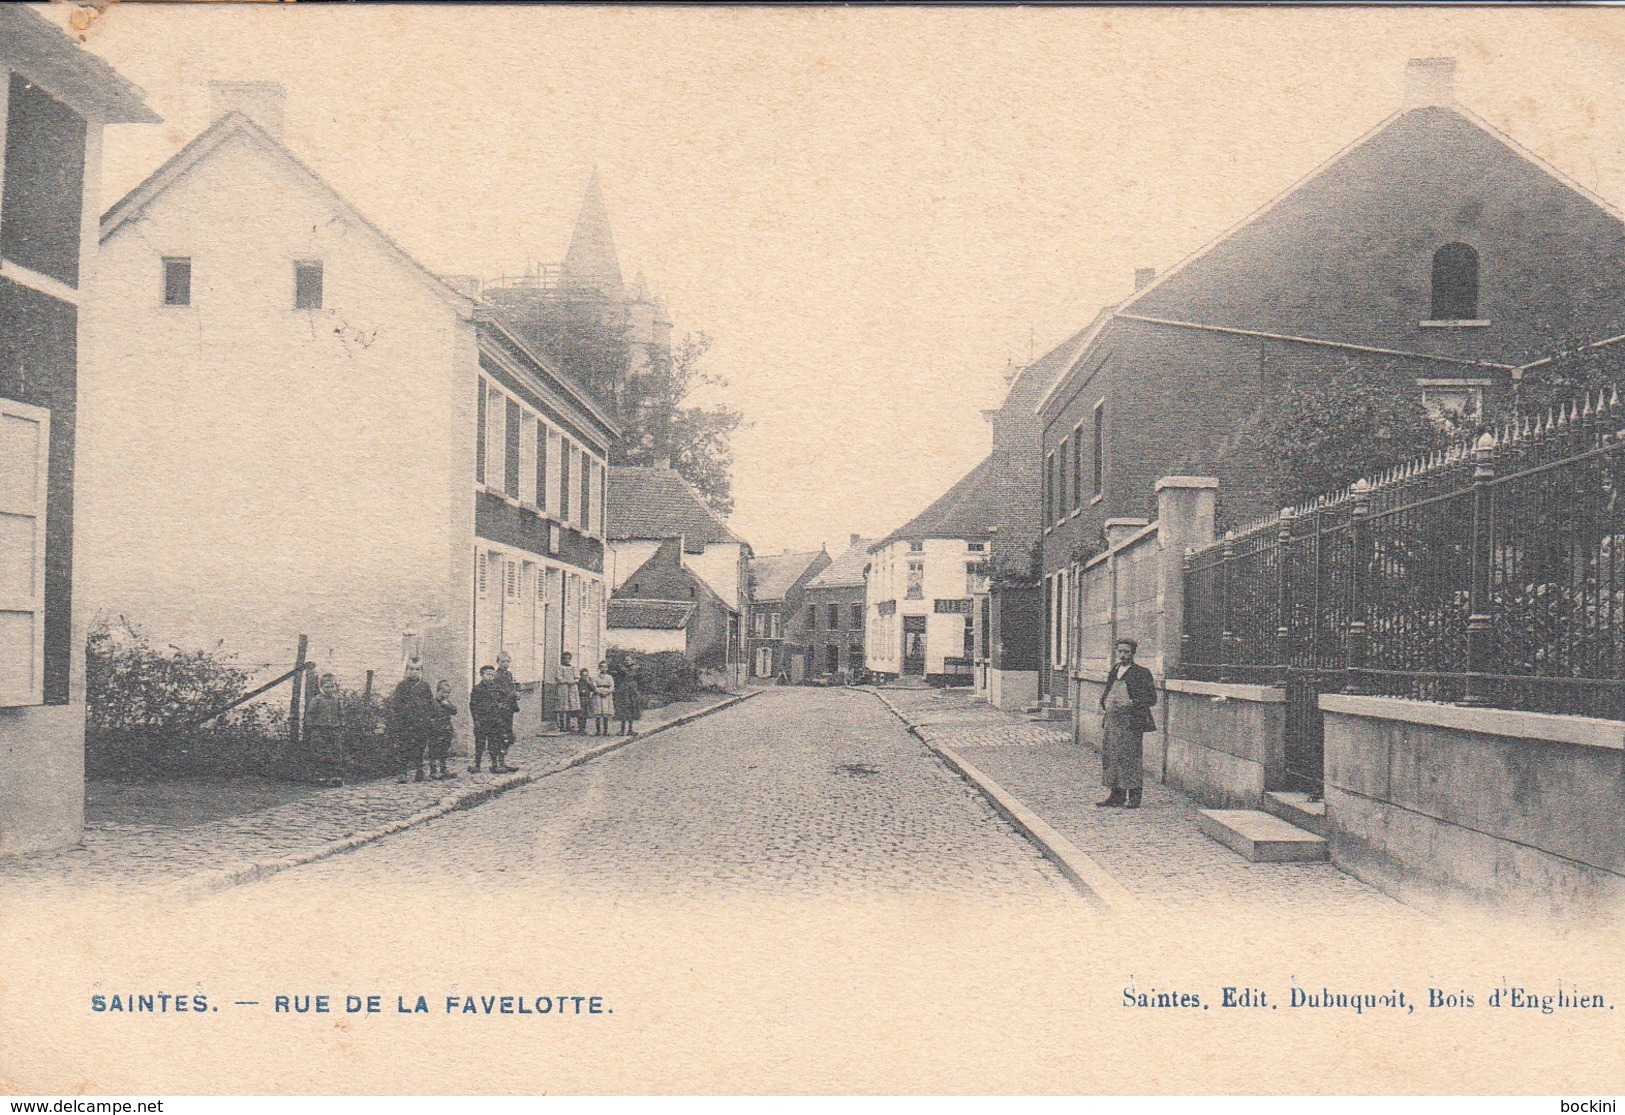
(591,261)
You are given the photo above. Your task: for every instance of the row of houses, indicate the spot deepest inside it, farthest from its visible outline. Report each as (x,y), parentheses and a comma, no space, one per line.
(1433,243)
(234,411)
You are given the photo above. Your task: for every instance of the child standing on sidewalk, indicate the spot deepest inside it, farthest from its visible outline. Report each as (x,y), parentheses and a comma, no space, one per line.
(440,739)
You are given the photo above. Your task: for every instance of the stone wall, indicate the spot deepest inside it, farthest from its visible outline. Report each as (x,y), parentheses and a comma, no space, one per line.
(1514,812)
(1224,744)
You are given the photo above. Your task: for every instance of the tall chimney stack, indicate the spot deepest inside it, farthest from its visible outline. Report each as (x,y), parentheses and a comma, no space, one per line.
(260,101)
(1143,277)
(1429,82)
(855,537)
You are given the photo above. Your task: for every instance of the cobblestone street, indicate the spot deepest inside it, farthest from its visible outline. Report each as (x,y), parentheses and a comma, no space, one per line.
(796,791)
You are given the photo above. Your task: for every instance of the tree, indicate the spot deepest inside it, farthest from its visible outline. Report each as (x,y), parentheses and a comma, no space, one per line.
(1346,419)
(662,422)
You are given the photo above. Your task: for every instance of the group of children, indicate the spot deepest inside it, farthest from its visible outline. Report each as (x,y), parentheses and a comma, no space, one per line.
(579,696)
(420,721)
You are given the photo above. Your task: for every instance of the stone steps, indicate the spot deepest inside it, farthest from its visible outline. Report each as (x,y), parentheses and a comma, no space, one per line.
(1295,808)
(1261,837)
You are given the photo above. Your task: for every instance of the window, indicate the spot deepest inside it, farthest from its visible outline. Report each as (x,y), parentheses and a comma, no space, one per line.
(496,436)
(775,626)
(177,282)
(510,579)
(586,490)
(916,580)
(1060,478)
(1455,283)
(1048,496)
(307,285)
(1077,467)
(541,465)
(916,547)
(510,470)
(812,617)
(24,448)
(832,659)
(834,617)
(564,480)
(857,617)
(976,547)
(479,434)
(1099,464)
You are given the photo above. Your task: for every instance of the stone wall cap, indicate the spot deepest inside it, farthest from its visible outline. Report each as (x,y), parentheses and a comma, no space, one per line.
(1262,694)
(1188,482)
(1135,523)
(1582,731)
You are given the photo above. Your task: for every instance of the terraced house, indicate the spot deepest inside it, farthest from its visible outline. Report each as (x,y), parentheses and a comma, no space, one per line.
(833,622)
(777,641)
(293,427)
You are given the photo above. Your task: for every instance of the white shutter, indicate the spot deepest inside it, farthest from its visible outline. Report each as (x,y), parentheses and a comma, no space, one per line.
(25,437)
(527,459)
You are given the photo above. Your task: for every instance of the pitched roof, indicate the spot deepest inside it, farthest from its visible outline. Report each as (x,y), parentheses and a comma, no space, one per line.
(653,503)
(41,49)
(998,493)
(774,576)
(846,570)
(212,139)
(590,260)
(650,615)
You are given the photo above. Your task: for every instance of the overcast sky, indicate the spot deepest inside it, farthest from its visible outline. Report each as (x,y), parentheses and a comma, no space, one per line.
(871,211)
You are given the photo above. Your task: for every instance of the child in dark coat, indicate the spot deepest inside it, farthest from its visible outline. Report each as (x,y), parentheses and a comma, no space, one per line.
(440,738)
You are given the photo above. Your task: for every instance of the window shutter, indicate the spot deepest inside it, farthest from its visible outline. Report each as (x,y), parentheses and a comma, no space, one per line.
(24,457)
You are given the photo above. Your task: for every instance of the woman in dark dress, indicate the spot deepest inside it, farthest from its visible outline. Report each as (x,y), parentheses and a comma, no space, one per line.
(628,696)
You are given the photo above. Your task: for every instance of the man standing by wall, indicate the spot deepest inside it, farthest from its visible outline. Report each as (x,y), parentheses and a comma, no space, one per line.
(1130,692)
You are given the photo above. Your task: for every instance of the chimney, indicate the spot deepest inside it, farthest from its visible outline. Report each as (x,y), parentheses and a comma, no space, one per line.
(1429,82)
(1143,277)
(855,538)
(260,101)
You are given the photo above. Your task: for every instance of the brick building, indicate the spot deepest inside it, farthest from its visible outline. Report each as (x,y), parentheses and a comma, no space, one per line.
(1433,241)
(55,99)
(832,618)
(778,587)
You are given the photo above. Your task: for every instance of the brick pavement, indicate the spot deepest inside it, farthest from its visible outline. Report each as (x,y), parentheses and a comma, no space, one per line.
(1156,852)
(797,792)
(130,855)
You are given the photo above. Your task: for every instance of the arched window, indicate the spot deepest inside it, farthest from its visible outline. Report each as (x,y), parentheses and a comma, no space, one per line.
(1455,283)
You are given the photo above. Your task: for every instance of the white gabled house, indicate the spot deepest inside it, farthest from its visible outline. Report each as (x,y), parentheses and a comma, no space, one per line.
(292,427)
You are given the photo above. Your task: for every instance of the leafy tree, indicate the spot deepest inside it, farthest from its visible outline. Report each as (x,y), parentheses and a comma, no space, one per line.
(1346,419)
(662,422)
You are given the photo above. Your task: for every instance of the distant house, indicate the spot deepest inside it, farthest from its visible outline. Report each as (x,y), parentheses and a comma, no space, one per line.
(1433,243)
(667,546)
(55,98)
(777,644)
(924,575)
(833,611)
(300,429)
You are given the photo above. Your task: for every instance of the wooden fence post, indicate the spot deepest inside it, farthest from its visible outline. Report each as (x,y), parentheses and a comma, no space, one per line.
(296,704)
(1359,544)
(1480,631)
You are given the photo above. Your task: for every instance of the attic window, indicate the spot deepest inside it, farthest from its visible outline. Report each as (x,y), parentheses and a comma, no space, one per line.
(1455,283)
(307,285)
(177,281)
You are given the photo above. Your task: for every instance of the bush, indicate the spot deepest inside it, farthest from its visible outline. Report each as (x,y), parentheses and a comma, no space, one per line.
(141,701)
(664,676)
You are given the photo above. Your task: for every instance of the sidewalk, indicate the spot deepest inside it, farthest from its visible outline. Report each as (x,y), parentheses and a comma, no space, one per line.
(152,836)
(1156,852)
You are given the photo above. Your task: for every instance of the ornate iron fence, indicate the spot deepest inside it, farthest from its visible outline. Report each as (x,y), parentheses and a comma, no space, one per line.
(1487,574)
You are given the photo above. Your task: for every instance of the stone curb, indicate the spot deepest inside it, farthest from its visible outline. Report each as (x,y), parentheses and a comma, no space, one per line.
(1079,868)
(203,884)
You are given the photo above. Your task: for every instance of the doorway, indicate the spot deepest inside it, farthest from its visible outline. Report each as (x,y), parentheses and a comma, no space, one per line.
(914,645)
